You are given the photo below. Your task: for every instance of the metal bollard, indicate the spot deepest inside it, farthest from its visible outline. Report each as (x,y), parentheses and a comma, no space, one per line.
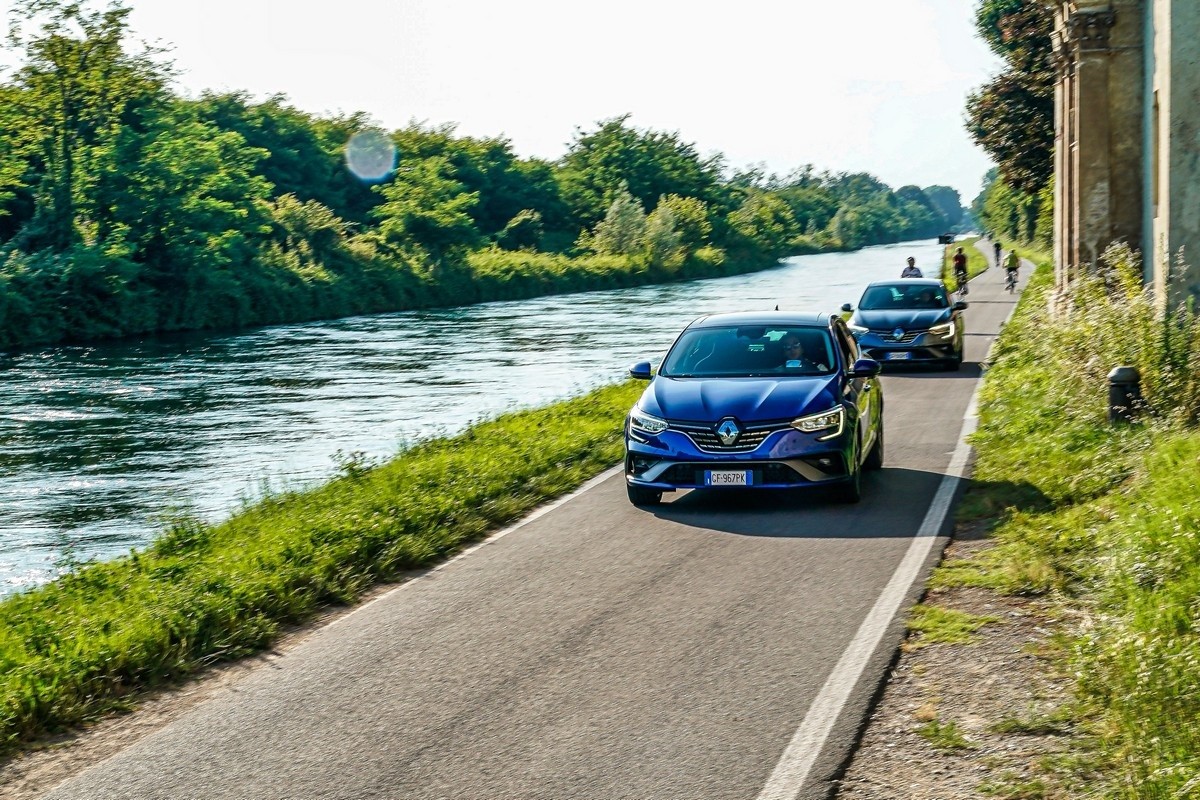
(1124,394)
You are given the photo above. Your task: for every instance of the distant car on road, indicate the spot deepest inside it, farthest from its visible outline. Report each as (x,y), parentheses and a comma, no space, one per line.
(758,399)
(910,321)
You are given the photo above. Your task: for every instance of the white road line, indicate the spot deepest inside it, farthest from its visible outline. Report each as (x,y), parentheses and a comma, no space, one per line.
(791,772)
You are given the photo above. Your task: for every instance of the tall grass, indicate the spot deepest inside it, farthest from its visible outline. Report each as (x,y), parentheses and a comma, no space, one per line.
(1105,518)
(204,593)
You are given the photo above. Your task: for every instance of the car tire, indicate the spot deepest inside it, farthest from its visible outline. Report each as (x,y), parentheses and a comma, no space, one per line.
(875,455)
(850,490)
(643,497)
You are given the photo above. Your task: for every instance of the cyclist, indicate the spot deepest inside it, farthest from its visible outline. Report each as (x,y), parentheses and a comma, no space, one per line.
(1012,266)
(960,271)
(996,250)
(911,271)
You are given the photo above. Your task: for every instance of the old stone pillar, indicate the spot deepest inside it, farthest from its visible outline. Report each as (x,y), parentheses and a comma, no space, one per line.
(1092,167)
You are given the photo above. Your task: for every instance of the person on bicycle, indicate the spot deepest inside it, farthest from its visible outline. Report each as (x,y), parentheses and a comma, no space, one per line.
(996,250)
(960,271)
(1012,265)
(911,271)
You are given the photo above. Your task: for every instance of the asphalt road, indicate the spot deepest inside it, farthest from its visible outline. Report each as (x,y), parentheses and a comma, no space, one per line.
(601,651)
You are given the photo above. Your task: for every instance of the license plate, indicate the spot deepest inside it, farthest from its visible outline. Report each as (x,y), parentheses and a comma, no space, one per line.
(715,477)
(899,356)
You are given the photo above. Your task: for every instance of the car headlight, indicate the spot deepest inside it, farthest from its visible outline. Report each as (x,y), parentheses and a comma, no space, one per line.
(641,421)
(832,420)
(946,329)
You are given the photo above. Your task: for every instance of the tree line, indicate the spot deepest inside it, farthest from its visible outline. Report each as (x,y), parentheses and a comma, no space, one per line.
(1012,118)
(127,209)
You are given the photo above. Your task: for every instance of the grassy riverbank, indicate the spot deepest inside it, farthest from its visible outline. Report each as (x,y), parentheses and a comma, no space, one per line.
(89,642)
(1104,521)
(976,261)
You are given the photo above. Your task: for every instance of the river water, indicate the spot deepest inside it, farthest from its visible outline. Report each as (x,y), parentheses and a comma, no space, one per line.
(100,444)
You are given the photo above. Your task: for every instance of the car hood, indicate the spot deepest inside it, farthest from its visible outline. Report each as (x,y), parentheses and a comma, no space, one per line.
(747,399)
(907,318)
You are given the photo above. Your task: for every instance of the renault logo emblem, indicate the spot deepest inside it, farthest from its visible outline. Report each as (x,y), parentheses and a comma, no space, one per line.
(898,334)
(728,432)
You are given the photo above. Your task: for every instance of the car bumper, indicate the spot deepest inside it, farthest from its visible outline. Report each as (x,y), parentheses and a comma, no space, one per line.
(785,458)
(923,348)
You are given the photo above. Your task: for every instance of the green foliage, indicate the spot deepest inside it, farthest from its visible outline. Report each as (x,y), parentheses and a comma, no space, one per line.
(648,164)
(945,735)
(947,202)
(1012,116)
(1111,535)
(201,594)
(426,206)
(943,625)
(623,229)
(1013,215)
(125,210)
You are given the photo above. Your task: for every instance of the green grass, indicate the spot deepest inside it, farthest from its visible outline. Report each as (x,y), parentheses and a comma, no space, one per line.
(943,625)
(87,643)
(945,735)
(1101,520)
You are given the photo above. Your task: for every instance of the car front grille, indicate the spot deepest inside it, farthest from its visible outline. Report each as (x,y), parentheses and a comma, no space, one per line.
(706,440)
(907,338)
(709,443)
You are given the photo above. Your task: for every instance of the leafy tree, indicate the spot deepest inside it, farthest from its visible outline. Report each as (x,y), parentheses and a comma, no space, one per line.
(947,201)
(1012,116)
(623,229)
(765,224)
(523,232)
(650,164)
(78,87)
(663,240)
(302,159)
(183,199)
(424,205)
(691,221)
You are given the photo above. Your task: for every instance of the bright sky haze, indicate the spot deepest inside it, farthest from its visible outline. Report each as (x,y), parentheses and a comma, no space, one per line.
(864,85)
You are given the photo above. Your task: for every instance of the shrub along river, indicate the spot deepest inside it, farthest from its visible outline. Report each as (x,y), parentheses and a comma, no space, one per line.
(101,444)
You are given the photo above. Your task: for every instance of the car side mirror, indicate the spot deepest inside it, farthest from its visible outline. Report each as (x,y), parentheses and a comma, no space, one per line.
(866,368)
(641,370)
(847,308)
(960,305)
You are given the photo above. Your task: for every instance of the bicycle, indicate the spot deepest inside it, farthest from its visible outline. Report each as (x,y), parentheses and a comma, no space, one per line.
(960,285)
(1010,281)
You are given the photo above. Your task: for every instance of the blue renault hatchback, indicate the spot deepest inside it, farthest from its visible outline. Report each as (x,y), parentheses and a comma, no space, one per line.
(756,399)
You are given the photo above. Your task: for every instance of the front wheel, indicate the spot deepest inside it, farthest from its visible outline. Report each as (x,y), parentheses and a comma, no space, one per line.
(850,490)
(643,497)
(875,454)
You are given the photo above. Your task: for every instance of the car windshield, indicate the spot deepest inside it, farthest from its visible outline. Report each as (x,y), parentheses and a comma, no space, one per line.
(750,351)
(904,296)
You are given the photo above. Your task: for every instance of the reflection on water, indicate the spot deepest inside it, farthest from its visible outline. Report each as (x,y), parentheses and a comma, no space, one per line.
(98,444)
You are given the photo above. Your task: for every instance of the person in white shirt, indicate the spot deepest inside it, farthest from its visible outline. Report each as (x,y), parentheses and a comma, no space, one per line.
(911,270)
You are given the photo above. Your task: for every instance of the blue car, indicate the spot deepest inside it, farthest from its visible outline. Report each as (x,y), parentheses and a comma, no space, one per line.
(909,321)
(768,400)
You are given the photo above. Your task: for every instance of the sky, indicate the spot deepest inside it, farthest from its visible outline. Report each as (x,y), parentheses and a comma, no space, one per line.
(876,86)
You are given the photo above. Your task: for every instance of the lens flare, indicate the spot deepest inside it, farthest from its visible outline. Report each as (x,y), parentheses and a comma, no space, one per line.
(371,155)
